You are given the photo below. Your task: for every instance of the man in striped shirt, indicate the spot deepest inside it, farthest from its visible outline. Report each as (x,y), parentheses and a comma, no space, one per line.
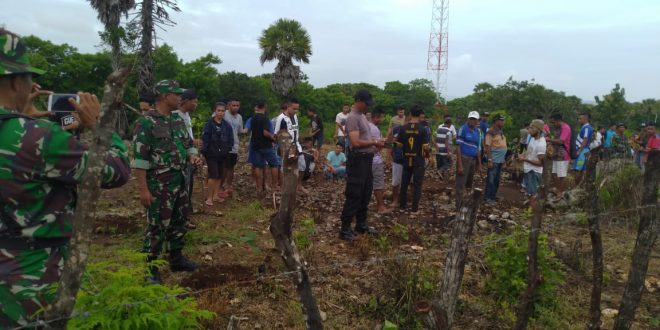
(443,136)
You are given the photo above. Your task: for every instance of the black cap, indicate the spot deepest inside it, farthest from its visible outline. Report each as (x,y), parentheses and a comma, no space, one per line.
(364,96)
(497,117)
(260,104)
(651,123)
(485,114)
(621,124)
(188,94)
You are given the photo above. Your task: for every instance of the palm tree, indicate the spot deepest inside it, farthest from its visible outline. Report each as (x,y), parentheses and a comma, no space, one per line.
(153,13)
(285,41)
(109,13)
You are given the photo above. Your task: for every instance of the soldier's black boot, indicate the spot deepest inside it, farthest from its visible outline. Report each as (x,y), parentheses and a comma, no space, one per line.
(179,263)
(154,274)
(346,233)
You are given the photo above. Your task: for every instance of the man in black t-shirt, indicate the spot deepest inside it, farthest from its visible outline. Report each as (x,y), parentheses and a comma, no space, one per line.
(414,139)
(261,143)
(316,128)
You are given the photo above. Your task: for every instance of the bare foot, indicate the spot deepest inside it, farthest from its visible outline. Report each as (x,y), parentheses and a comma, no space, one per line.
(209,202)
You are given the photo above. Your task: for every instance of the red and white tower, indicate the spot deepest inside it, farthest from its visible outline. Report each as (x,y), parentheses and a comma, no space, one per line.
(439,47)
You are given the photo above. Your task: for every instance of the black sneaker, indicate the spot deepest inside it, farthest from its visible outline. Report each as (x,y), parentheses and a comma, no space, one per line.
(347,236)
(179,263)
(367,231)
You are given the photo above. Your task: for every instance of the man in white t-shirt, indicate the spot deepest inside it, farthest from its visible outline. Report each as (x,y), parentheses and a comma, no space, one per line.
(533,160)
(340,123)
(188,105)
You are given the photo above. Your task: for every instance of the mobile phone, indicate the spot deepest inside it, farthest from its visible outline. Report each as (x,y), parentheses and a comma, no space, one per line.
(60,102)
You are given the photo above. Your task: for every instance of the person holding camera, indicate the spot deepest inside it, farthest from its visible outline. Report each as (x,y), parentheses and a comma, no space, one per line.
(162,148)
(40,167)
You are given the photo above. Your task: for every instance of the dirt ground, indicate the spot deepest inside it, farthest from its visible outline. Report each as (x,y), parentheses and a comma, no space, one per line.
(241,277)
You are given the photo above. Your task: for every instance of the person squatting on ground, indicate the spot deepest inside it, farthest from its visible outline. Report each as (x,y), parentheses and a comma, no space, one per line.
(443,146)
(336,163)
(306,162)
(40,167)
(467,154)
(162,148)
(236,121)
(261,144)
(496,148)
(414,139)
(217,141)
(377,167)
(582,143)
(561,142)
(533,160)
(359,182)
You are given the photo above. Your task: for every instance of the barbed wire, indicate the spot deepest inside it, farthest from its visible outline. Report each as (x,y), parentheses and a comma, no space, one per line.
(310,269)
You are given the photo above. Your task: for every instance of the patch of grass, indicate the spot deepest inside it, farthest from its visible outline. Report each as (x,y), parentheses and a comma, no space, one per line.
(383,244)
(302,235)
(247,213)
(401,231)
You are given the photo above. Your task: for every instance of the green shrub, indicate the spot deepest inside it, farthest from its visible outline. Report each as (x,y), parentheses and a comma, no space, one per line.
(622,190)
(507,262)
(114,295)
(302,235)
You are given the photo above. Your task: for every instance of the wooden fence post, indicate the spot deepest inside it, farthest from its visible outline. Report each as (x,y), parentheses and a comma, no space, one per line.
(441,315)
(646,237)
(89,191)
(593,210)
(526,307)
(281,228)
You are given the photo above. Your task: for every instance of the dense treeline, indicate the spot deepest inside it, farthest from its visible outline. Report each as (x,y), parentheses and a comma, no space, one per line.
(522,101)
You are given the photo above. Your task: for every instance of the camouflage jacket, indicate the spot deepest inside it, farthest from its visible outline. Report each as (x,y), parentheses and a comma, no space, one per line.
(161,143)
(40,166)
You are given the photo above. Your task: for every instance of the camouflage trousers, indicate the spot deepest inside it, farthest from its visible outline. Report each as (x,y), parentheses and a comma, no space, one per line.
(27,283)
(167,213)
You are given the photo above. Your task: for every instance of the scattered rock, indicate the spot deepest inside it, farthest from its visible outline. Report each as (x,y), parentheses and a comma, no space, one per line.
(207,258)
(483,224)
(506,215)
(234,301)
(324,315)
(492,217)
(609,313)
(560,244)
(416,248)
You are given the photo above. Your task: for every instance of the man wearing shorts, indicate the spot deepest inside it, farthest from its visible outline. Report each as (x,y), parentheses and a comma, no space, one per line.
(377,166)
(582,146)
(533,160)
(561,142)
(236,121)
(261,147)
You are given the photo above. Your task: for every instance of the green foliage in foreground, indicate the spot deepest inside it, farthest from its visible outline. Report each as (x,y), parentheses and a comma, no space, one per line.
(507,262)
(621,190)
(114,295)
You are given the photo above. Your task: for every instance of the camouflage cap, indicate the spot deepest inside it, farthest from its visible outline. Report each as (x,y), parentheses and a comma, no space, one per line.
(168,86)
(13,55)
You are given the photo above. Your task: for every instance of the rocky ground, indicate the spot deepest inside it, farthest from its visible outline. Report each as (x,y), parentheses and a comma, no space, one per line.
(241,274)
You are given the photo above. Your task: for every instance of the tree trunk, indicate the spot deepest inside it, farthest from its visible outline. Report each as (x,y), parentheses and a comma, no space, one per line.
(89,190)
(146,71)
(280,228)
(441,315)
(593,211)
(646,237)
(526,308)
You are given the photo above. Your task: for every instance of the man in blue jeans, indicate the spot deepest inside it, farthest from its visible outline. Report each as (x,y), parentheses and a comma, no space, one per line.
(495,149)
(262,147)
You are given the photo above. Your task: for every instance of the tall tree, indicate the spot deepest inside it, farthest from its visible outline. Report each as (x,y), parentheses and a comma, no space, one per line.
(109,12)
(612,108)
(153,13)
(285,41)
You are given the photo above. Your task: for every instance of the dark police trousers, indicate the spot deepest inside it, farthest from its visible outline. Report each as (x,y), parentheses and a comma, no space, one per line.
(359,185)
(417,175)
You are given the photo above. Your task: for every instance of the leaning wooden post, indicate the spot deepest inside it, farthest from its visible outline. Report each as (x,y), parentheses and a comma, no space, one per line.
(526,307)
(593,210)
(280,227)
(89,191)
(441,315)
(646,237)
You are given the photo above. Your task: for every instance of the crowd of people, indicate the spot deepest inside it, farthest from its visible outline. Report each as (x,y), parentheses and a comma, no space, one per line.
(42,163)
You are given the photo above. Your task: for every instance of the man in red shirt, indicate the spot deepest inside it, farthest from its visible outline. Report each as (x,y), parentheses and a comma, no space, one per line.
(653,142)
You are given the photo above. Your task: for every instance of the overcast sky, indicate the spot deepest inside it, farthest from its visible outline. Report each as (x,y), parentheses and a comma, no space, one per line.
(581,47)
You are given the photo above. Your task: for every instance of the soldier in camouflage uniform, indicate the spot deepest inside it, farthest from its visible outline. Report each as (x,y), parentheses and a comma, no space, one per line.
(40,166)
(162,147)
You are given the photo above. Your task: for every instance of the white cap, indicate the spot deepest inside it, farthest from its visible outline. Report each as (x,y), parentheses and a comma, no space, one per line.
(473,114)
